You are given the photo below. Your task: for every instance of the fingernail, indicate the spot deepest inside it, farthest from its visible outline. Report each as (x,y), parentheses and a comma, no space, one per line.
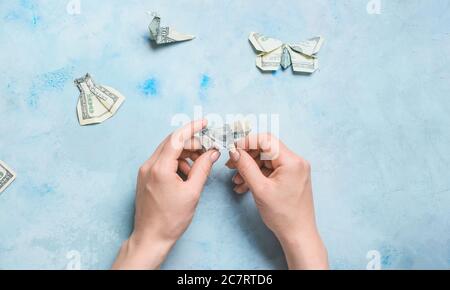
(215,156)
(234,155)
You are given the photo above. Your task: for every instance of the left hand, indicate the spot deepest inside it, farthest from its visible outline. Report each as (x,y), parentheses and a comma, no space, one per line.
(165,202)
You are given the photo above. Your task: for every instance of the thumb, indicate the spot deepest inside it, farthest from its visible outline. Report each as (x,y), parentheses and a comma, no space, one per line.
(248,168)
(202,168)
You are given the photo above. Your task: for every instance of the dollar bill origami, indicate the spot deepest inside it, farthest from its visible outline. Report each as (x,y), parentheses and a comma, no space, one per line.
(273,53)
(224,137)
(165,35)
(96,103)
(7,176)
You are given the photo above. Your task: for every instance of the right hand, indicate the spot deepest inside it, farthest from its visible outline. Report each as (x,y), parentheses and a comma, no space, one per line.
(280,182)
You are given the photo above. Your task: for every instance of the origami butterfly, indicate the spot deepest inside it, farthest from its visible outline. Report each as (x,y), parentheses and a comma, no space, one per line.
(273,53)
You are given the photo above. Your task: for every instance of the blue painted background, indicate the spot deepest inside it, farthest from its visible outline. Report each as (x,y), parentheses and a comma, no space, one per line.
(374,122)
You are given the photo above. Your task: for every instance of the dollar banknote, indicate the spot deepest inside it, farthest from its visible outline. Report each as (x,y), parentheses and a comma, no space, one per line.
(165,35)
(224,137)
(273,53)
(7,176)
(96,103)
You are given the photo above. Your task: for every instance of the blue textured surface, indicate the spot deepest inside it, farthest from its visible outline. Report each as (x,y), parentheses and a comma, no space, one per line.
(374,122)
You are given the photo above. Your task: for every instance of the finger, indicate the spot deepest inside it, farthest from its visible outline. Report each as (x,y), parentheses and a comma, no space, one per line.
(267,172)
(184,167)
(259,162)
(202,168)
(248,168)
(253,153)
(191,147)
(241,189)
(175,145)
(190,154)
(230,164)
(270,147)
(195,156)
(268,164)
(237,179)
(193,144)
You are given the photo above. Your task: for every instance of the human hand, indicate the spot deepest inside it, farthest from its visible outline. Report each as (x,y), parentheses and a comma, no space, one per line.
(165,202)
(280,182)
